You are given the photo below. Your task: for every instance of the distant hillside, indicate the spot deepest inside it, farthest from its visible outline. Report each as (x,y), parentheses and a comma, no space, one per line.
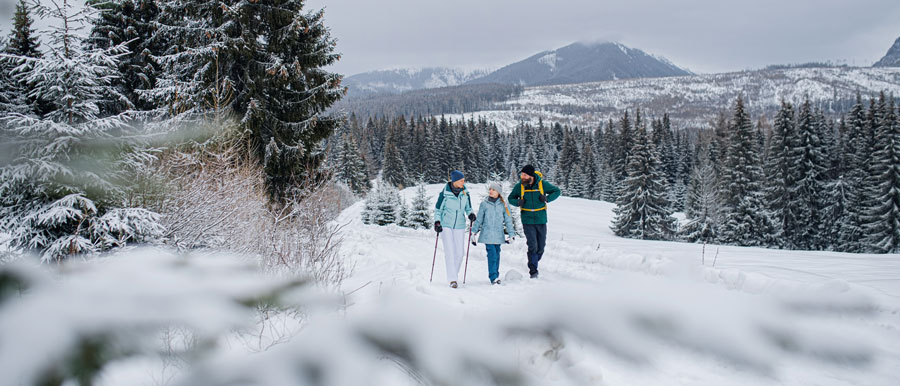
(892,58)
(400,80)
(583,62)
(692,101)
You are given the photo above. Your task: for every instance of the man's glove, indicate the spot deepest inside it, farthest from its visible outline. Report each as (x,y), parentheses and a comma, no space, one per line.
(543,198)
(437,227)
(472,217)
(521,202)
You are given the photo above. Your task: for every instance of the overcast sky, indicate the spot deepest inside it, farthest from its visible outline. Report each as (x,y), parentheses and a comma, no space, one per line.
(704,36)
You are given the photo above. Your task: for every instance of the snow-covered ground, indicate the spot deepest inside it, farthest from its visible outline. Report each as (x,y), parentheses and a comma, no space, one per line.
(860,295)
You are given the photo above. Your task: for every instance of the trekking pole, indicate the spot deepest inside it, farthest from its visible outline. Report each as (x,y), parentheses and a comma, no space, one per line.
(468,244)
(434,257)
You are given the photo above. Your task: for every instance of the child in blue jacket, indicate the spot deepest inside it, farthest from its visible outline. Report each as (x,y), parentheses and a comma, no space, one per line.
(493,218)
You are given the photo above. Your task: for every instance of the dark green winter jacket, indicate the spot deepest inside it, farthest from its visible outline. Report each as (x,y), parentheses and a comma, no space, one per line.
(534,211)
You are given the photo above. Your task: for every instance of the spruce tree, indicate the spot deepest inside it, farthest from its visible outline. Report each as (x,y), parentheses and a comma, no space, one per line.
(263,63)
(63,193)
(584,178)
(568,158)
(351,168)
(394,172)
(882,224)
(132,23)
(389,206)
(420,215)
(744,218)
(811,167)
(781,177)
(642,211)
(701,203)
(23,43)
(23,39)
(850,233)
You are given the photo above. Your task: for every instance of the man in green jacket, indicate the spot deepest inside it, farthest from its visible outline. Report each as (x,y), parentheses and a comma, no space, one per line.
(531,196)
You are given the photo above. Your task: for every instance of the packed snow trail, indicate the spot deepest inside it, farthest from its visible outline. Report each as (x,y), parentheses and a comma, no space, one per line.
(581,248)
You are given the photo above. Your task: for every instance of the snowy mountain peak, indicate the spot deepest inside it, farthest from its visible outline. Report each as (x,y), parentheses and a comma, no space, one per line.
(405,79)
(584,62)
(892,58)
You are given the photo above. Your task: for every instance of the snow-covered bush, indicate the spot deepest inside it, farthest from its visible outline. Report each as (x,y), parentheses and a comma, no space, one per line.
(421,212)
(384,206)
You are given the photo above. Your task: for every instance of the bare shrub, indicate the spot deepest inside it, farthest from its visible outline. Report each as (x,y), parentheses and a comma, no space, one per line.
(215,198)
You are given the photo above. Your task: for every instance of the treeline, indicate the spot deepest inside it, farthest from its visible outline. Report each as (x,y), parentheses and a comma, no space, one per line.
(805,181)
(585,163)
(430,102)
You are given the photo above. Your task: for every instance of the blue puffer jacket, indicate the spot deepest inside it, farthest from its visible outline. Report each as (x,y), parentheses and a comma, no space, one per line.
(491,218)
(452,211)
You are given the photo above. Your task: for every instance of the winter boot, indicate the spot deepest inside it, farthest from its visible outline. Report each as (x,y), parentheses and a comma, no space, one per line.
(534,275)
(496,281)
(453,284)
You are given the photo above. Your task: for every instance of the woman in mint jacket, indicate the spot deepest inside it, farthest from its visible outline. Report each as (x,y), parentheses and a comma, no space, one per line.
(453,206)
(493,219)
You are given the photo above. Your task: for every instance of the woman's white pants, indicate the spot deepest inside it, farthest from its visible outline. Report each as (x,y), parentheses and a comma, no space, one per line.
(454,241)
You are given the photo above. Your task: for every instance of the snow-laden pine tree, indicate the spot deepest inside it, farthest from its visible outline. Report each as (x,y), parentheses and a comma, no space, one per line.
(394,169)
(369,206)
(781,177)
(568,159)
(702,202)
(389,206)
(584,177)
(850,232)
(261,62)
(62,193)
(745,220)
(23,42)
(882,225)
(420,214)
(403,215)
(351,167)
(132,23)
(810,164)
(642,210)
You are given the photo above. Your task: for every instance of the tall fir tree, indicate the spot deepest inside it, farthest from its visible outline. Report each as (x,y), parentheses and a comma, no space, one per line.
(745,220)
(394,172)
(584,177)
(23,43)
(263,63)
(420,215)
(882,224)
(351,167)
(132,23)
(850,233)
(642,211)
(810,164)
(701,203)
(781,177)
(568,158)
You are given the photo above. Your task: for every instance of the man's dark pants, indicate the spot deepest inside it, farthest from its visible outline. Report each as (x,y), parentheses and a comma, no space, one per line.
(536,234)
